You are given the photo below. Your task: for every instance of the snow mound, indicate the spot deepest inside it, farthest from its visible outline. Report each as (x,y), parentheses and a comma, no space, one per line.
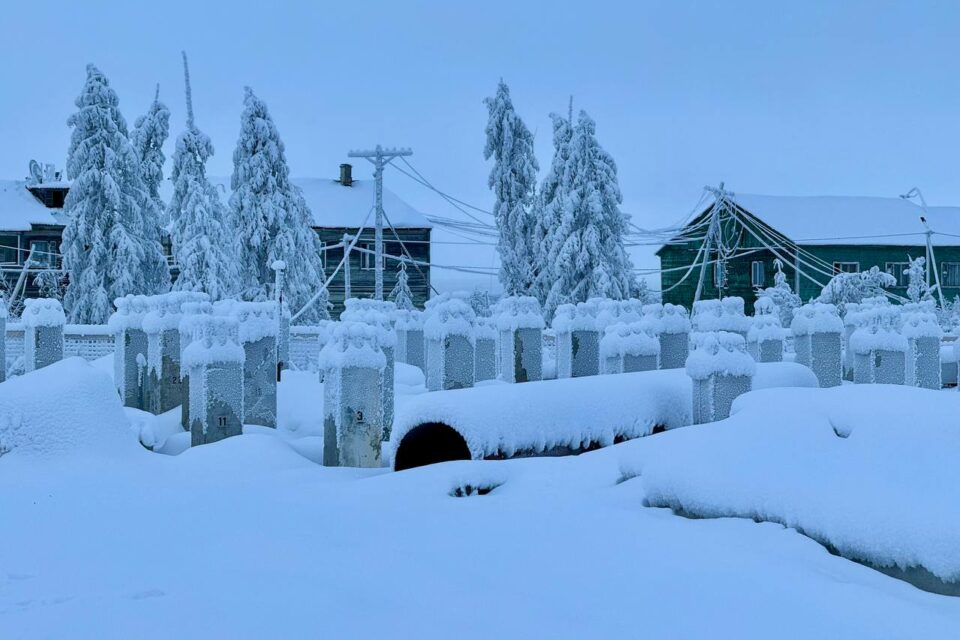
(64,408)
(870,470)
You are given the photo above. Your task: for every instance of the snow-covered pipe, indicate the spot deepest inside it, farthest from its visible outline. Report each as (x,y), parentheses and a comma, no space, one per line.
(354,365)
(721,369)
(553,417)
(519,321)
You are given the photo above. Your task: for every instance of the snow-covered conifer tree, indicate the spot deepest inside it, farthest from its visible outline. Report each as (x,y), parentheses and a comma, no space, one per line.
(149,134)
(588,252)
(513,180)
(269,214)
(202,241)
(549,206)
(480,303)
(855,287)
(917,288)
(104,242)
(781,294)
(401,294)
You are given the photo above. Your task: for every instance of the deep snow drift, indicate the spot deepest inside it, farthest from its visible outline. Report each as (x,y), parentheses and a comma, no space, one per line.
(248,538)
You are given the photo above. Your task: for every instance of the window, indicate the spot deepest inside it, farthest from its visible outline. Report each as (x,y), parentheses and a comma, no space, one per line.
(900,271)
(44,252)
(757,276)
(720,275)
(951,274)
(8,249)
(367,258)
(846,267)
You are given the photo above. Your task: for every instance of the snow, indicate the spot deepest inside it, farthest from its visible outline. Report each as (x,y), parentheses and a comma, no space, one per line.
(878,331)
(21,209)
(856,220)
(671,318)
(720,315)
(452,317)
(278,546)
(256,320)
(518,312)
(578,317)
(816,317)
(353,344)
(718,353)
(42,312)
(214,340)
(868,469)
(66,408)
(628,339)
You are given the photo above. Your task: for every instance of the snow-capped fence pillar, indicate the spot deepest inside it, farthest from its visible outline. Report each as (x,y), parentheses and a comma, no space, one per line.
(130,349)
(379,314)
(257,331)
(214,362)
(578,341)
(880,350)
(192,312)
(43,321)
(283,317)
(766,336)
(818,341)
(409,327)
(353,421)
(449,333)
(161,324)
(923,334)
(721,315)
(672,327)
(721,370)
(520,323)
(626,348)
(485,350)
(851,319)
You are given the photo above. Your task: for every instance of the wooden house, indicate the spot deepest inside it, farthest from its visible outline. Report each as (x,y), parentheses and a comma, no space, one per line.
(814,238)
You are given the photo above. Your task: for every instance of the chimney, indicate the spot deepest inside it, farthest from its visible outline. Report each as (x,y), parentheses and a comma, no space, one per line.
(346,175)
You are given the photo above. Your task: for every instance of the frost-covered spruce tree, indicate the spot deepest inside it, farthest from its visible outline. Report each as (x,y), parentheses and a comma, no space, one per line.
(513,180)
(781,294)
(202,241)
(103,243)
(401,294)
(588,252)
(269,214)
(917,287)
(549,206)
(150,132)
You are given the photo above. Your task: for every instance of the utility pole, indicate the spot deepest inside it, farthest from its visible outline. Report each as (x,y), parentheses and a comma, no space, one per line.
(931,259)
(380,158)
(712,235)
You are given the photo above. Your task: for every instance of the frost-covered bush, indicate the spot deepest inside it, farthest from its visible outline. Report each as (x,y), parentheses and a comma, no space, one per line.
(856,287)
(781,294)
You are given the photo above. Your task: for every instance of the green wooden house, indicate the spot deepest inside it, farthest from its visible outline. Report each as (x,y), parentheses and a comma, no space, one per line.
(31,217)
(814,238)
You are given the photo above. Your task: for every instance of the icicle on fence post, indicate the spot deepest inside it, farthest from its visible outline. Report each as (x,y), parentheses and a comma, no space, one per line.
(485,349)
(923,334)
(379,314)
(353,423)
(721,371)
(626,348)
(283,317)
(880,350)
(258,328)
(672,327)
(130,349)
(43,321)
(578,341)
(817,339)
(193,310)
(520,323)
(3,338)
(214,362)
(449,333)
(766,336)
(408,323)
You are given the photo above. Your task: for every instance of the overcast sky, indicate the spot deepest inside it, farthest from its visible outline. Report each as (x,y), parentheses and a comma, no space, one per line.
(846,98)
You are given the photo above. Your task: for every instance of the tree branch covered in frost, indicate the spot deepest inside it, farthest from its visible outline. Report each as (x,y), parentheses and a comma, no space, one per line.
(855,287)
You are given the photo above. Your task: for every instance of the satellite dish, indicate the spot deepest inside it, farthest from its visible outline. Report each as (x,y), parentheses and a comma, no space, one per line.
(36,172)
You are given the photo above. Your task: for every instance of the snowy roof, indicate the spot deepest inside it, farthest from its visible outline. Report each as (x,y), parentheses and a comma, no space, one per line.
(334,205)
(843,220)
(19,209)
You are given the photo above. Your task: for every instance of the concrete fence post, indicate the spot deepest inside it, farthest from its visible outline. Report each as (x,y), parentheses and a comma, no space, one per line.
(519,321)
(721,371)
(43,321)
(214,360)
(818,341)
(192,311)
(880,350)
(626,348)
(449,332)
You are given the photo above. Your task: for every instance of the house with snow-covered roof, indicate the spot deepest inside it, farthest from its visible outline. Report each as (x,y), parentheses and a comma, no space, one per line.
(814,237)
(31,217)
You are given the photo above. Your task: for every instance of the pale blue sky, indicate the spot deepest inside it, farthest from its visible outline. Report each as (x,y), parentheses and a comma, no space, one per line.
(783,98)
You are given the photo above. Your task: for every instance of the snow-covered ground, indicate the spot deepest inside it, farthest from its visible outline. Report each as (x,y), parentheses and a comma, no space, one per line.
(249,538)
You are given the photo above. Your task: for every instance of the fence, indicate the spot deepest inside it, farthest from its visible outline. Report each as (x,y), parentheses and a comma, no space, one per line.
(89,341)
